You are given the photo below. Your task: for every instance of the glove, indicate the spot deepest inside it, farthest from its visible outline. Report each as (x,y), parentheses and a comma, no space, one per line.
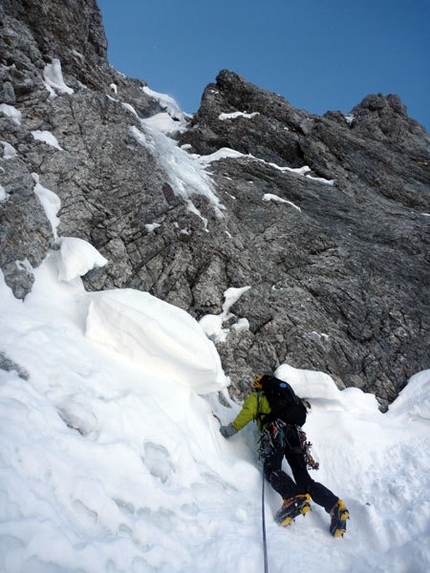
(228,431)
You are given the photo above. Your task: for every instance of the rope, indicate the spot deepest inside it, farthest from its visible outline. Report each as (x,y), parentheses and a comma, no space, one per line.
(263,515)
(263,524)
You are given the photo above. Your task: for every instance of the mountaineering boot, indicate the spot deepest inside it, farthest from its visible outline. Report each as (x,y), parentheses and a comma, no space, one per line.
(339,514)
(291,508)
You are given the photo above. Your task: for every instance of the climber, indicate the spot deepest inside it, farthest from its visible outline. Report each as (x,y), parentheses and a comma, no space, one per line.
(280,413)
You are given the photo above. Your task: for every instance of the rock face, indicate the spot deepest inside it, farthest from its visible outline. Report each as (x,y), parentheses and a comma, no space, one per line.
(324,218)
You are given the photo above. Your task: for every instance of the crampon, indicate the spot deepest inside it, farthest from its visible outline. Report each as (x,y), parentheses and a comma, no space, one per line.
(291,508)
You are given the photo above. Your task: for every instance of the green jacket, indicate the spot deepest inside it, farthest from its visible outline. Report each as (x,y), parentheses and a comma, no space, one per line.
(255,404)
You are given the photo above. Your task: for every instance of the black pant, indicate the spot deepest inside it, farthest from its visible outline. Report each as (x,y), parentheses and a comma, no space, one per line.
(288,445)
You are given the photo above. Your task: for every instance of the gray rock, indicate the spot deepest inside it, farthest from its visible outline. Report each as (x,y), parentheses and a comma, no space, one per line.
(25,232)
(9,365)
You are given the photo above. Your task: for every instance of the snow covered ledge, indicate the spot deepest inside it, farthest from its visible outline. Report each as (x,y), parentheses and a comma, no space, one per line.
(142,328)
(157,335)
(77,257)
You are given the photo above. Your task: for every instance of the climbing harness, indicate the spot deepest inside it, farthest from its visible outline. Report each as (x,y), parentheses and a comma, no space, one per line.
(278,431)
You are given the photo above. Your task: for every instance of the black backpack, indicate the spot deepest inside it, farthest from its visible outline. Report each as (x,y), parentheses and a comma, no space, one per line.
(284,404)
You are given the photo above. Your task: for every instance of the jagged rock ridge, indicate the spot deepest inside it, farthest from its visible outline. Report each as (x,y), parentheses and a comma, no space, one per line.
(325,218)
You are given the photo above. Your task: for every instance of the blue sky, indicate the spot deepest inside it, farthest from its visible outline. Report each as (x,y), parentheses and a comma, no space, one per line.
(319,54)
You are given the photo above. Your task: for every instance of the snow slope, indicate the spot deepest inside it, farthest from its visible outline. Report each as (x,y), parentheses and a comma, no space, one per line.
(111,458)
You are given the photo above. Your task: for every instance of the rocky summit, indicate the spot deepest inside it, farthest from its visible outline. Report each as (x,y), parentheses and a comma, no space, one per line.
(325,219)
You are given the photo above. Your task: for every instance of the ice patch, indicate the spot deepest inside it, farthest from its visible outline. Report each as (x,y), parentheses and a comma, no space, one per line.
(212,324)
(54,81)
(77,257)
(8,150)
(241,325)
(150,227)
(223,153)
(236,114)
(130,108)
(267,197)
(3,195)
(186,176)
(50,202)
(167,103)
(164,123)
(46,137)
(227,153)
(12,112)
(172,120)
